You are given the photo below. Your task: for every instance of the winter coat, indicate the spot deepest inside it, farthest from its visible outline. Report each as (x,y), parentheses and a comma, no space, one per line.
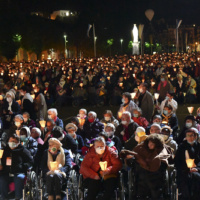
(90,166)
(41,107)
(141,121)
(113,121)
(21,160)
(32,146)
(69,143)
(30,123)
(92,130)
(130,107)
(172,144)
(80,143)
(59,122)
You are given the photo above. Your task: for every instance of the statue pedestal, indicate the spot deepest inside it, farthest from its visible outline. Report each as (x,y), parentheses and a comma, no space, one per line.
(136,48)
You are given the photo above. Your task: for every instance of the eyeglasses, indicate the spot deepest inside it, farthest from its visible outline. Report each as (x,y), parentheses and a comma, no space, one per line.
(189,136)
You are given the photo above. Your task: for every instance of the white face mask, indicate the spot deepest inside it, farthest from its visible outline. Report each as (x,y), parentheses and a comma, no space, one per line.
(100,150)
(72,134)
(107,118)
(124,122)
(141,90)
(110,134)
(123,101)
(17,124)
(9,99)
(12,145)
(49,116)
(165,137)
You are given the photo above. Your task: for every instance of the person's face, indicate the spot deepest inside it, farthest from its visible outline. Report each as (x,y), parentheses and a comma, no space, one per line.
(136,113)
(154,129)
(125,118)
(190,137)
(108,129)
(81,112)
(18,120)
(26,117)
(53,148)
(157,120)
(52,114)
(90,116)
(99,147)
(151,145)
(34,133)
(107,115)
(170,97)
(189,121)
(125,99)
(49,126)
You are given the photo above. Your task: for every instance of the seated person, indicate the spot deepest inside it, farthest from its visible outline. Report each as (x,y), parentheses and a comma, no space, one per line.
(189,122)
(166,131)
(155,128)
(82,116)
(109,118)
(92,126)
(71,131)
(27,141)
(140,135)
(137,117)
(125,131)
(92,173)
(55,176)
(67,141)
(75,121)
(28,121)
(53,114)
(150,159)
(110,130)
(157,119)
(188,178)
(170,119)
(16,160)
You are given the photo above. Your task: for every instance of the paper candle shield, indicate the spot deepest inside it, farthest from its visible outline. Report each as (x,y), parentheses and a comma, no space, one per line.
(190,109)
(133,95)
(33,96)
(18,132)
(103,165)
(1,97)
(120,115)
(156,96)
(42,123)
(190,163)
(140,134)
(53,165)
(33,85)
(81,121)
(1,153)
(19,102)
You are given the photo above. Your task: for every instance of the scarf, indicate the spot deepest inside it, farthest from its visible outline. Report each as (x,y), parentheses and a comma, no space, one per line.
(166,118)
(164,84)
(9,106)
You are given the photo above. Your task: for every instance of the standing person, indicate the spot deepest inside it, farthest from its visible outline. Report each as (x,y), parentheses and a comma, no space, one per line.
(27,102)
(40,104)
(145,101)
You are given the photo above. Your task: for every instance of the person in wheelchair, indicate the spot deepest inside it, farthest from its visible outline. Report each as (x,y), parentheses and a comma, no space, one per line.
(94,176)
(55,166)
(149,160)
(188,174)
(16,160)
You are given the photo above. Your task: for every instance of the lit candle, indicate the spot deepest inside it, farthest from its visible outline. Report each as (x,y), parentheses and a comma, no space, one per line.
(190,163)
(108,77)
(42,123)
(33,85)
(1,97)
(133,95)
(119,115)
(190,109)
(156,95)
(103,165)
(53,165)
(81,121)
(19,102)
(33,96)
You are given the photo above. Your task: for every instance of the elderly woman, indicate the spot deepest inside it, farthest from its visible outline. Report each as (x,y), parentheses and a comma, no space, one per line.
(71,131)
(55,175)
(92,126)
(28,121)
(53,114)
(94,176)
(16,160)
(137,117)
(109,118)
(127,104)
(10,108)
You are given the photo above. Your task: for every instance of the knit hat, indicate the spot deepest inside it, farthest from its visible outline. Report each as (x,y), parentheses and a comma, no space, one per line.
(71,126)
(11,94)
(55,141)
(28,133)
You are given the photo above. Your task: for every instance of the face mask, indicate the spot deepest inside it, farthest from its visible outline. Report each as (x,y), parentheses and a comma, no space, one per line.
(157,123)
(188,125)
(199,114)
(82,115)
(107,118)
(9,99)
(162,79)
(141,90)
(23,138)
(124,122)
(53,150)
(135,115)
(123,101)
(72,134)
(110,134)
(12,145)
(191,142)
(100,150)
(165,112)
(165,137)
(91,120)
(167,97)
(49,116)
(17,124)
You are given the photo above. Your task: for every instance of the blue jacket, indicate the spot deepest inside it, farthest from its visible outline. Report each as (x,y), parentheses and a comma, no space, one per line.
(59,122)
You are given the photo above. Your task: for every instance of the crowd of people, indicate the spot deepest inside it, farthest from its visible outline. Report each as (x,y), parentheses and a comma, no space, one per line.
(144,134)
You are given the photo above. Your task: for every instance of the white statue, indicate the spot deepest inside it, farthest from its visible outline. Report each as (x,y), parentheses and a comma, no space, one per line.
(135,33)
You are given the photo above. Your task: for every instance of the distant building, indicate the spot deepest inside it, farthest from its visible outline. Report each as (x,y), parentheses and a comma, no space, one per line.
(63,14)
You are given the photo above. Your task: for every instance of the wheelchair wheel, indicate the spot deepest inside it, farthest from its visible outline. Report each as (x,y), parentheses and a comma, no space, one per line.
(131,183)
(122,189)
(80,188)
(174,192)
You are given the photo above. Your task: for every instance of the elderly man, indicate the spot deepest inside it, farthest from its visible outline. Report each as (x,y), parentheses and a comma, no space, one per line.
(125,131)
(145,102)
(92,126)
(155,128)
(53,114)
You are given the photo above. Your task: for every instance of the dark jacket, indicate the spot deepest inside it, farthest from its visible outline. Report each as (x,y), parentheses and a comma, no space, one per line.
(59,122)
(131,130)
(28,106)
(66,168)
(69,143)
(32,146)
(117,142)
(80,142)
(30,123)
(92,130)
(21,160)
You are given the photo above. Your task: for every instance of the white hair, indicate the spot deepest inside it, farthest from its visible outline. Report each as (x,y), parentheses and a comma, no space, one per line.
(111,126)
(127,113)
(157,125)
(37,130)
(54,110)
(100,139)
(93,114)
(84,110)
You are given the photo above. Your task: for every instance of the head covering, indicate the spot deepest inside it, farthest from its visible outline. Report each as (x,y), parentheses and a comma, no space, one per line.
(37,130)
(157,125)
(140,129)
(11,94)
(167,128)
(27,130)
(191,117)
(55,141)
(71,126)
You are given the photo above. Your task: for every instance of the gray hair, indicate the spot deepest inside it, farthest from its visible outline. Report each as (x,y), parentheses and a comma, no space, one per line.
(111,126)
(54,110)
(84,110)
(37,130)
(127,113)
(100,139)
(19,117)
(93,114)
(138,109)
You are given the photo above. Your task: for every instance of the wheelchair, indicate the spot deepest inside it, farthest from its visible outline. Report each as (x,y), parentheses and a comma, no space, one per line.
(119,191)
(169,188)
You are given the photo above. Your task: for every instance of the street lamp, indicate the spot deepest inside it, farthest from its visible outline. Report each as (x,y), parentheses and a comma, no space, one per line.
(95,48)
(196,46)
(65,37)
(121,40)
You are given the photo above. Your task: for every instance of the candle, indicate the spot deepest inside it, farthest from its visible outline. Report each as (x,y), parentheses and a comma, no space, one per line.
(1,97)
(108,77)
(1,153)
(81,121)
(190,109)
(120,84)
(190,163)
(19,102)
(53,165)
(153,83)
(18,132)
(103,165)
(133,95)
(119,115)
(33,85)
(42,123)
(156,95)
(33,96)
